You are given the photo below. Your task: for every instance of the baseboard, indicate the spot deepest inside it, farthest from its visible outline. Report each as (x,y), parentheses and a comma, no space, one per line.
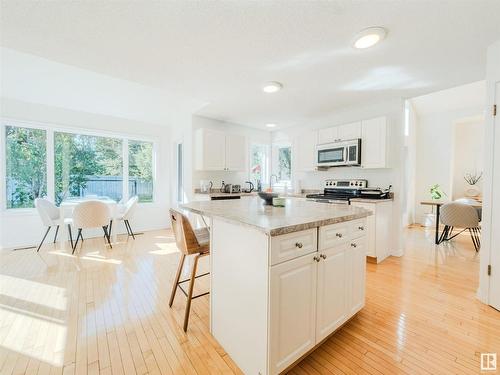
(398,253)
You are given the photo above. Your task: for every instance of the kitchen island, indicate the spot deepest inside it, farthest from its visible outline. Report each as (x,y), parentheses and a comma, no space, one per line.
(282,278)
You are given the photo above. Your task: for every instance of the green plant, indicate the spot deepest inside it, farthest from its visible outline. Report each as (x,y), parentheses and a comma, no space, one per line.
(436,192)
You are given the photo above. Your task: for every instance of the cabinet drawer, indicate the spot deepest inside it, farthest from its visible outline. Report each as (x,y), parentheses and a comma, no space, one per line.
(358,228)
(333,235)
(293,245)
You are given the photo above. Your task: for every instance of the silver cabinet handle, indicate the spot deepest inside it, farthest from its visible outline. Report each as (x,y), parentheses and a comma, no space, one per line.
(323,256)
(299,245)
(354,245)
(339,235)
(317,259)
(361,228)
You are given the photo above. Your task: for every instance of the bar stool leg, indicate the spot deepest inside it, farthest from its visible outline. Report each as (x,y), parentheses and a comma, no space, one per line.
(190,292)
(176,281)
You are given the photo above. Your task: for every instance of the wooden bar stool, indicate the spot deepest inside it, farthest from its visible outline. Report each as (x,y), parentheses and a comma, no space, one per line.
(190,242)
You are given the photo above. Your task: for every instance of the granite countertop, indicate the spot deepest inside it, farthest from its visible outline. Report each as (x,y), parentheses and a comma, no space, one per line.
(298,214)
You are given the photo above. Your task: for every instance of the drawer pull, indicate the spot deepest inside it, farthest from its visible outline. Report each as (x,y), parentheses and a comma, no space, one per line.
(323,256)
(299,245)
(339,235)
(317,259)
(361,228)
(354,245)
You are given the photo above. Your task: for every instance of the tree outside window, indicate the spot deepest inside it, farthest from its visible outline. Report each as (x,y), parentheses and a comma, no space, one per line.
(26,171)
(140,170)
(259,161)
(285,163)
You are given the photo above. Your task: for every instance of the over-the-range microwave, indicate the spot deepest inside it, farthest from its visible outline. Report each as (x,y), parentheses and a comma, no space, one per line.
(339,154)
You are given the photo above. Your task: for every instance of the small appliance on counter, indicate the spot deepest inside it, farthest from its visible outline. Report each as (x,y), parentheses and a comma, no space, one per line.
(250,187)
(342,191)
(235,188)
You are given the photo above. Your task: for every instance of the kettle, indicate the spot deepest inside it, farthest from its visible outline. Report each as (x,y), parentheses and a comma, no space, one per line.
(250,187)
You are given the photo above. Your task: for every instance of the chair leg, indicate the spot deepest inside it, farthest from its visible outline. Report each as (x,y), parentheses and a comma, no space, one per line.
(77,238)
(130,228)
(176,280)
(190,292)
(106,234)
(474,239)
(444,234)
(126,227)
(70,235)
(57,231)
(43,239)
(110,227)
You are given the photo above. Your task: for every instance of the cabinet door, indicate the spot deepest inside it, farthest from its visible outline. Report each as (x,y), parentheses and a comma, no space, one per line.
(373,143)
(210,150)
(305,151)
(236,153)
(328,135)
(332,291)
(371,229)
(350,131)
(292,311)
(356,260)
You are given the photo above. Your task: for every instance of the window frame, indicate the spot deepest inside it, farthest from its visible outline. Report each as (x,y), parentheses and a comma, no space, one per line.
(50,129)
(275,162)
(268,167)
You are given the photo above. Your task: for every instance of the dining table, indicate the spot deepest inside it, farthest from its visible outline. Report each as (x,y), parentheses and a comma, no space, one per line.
(68,205)
(438,203)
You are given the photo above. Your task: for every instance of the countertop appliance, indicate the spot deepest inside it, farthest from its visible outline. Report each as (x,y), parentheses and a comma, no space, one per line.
(250,187)
(341,191)
(339,154)
(236,188)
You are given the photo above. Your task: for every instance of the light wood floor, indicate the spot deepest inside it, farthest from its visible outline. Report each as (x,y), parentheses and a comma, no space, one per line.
(106,312)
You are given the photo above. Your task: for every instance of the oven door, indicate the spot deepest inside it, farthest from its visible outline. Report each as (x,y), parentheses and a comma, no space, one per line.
(331,155)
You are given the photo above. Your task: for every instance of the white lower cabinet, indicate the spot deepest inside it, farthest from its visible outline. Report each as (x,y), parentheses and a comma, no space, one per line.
(292,310)
(332,294)
(313,295)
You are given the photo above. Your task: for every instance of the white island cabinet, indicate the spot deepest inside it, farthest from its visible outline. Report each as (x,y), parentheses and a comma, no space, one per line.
(282,279)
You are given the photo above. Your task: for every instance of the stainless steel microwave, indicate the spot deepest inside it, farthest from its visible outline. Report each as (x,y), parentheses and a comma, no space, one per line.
(339,154)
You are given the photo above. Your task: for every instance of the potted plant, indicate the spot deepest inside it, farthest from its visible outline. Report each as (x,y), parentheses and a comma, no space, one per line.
(436,192)
(472,179)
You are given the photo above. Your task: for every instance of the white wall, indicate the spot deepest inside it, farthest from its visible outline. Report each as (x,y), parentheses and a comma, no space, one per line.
(468,145)
(253,136)
(437,117)
(25,228)
(394,110)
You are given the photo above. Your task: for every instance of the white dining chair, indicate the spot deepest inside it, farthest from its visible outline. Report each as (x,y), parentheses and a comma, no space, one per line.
(51,216)
(460,215)
(125,212)
(91,214)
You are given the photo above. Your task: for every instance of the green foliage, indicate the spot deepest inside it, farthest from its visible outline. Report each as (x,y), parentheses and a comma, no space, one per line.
(26,171)
(285,163)
(77,156)
(140,167)
(436,192)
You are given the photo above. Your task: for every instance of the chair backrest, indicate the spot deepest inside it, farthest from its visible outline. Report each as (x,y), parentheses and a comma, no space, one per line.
(130,207)
(461,215)
(47,210)
(183,231)
(91,214)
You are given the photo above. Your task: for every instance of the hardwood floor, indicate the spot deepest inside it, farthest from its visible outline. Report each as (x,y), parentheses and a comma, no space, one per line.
(106,311)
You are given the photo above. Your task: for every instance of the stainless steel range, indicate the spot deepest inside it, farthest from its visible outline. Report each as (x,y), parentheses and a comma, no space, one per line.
(342,191)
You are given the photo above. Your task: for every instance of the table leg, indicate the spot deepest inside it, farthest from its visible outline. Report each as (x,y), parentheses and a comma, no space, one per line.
(437,224)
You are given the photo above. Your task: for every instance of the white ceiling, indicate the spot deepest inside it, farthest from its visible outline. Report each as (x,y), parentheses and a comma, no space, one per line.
(222,52)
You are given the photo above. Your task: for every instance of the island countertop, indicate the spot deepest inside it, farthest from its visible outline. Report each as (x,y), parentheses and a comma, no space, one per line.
(298,214)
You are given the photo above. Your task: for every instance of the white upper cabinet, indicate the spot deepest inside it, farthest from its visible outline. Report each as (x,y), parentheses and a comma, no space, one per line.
(218,151)
(349,131)
(340,133)
(305,151)
(328,135)
(236,153)
(373,143)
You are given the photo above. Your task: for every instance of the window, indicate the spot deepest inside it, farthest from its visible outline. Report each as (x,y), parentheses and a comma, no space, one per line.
(259,161)
(140,170)
(26,166)
(180,179)
(87,165)
(284,163)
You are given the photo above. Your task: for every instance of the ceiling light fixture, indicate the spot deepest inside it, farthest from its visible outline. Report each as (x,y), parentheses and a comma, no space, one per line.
(272,86)
(271,125)
(369,37)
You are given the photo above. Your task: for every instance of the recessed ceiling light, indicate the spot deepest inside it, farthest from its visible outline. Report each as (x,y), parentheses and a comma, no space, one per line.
(272,86)
(369,37)
(271,125)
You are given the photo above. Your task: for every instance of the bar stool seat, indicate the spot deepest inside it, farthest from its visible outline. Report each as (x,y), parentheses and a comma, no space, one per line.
(190,242)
